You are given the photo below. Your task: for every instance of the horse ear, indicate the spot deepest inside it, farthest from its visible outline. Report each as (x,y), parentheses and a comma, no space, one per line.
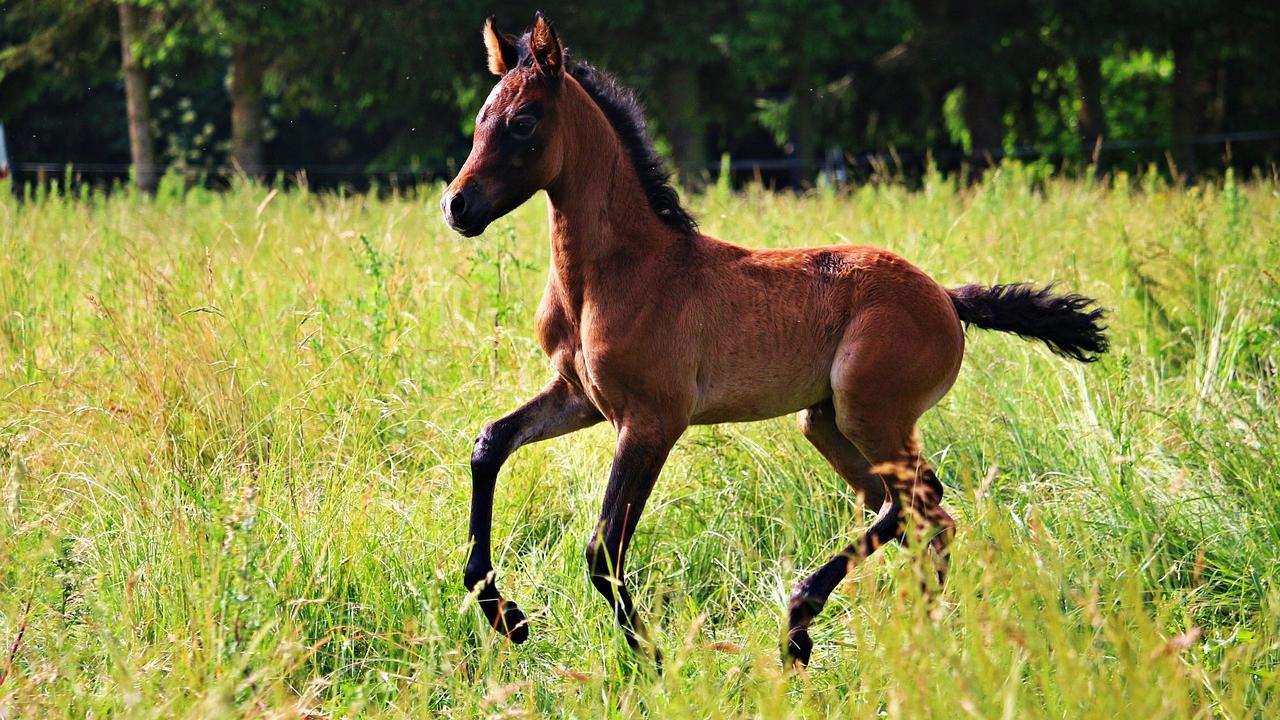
(502,50)
(544,44)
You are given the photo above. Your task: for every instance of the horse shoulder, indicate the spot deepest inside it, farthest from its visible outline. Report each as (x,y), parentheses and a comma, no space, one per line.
(558,331)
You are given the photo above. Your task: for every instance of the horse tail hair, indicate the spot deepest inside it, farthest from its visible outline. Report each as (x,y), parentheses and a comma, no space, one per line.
(1069,324)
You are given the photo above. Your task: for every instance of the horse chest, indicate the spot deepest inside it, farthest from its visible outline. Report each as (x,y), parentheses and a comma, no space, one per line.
(582,348)
(560,333)
(557,333)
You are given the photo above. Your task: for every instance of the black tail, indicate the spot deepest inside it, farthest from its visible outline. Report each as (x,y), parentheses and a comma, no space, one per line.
(1071,325)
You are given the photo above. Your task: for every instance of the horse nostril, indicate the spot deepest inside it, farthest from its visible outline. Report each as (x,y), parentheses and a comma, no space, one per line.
(457,205)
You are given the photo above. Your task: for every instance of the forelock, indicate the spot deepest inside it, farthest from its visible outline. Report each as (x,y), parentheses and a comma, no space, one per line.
(503,92)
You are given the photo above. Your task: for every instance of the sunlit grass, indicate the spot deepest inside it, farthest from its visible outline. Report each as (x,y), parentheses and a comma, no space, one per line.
(233,482)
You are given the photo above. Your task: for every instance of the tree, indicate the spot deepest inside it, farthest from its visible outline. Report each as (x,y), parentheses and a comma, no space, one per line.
(795,44)
(141,144)
(1191,85)
(1083,32)
(389,84)
(678,51)
(71,38)
(59,66)
(246,108)
(1190,31)
(245,31)
(409,73)
(992,49)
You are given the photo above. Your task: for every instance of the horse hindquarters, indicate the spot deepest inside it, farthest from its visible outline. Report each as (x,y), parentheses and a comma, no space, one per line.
(895,361)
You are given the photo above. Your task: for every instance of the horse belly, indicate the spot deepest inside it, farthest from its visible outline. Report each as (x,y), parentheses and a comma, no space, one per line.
(762,385)
(769,359)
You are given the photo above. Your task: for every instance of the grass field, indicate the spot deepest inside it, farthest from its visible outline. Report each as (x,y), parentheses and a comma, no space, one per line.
(234,433)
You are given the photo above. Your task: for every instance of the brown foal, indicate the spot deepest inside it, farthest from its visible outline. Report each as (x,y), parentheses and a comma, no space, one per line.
(655,327)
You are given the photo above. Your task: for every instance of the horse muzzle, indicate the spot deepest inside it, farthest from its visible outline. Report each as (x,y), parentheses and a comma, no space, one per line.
(466,211)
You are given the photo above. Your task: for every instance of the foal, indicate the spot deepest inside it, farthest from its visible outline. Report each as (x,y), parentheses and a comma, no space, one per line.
(654,327)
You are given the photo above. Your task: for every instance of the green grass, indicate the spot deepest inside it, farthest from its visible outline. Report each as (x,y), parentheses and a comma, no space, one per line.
(234,432)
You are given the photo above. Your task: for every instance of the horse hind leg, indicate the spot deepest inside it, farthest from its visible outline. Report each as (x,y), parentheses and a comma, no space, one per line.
(818,425)
(885,376)
(913,479)
(911,508)
(812,593)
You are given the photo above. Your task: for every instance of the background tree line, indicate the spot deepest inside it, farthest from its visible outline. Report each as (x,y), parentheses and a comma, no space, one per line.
(347,88)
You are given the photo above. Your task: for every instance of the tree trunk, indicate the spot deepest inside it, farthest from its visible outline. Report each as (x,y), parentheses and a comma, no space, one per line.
(985,120)
(1091,124)
(1217,120)
(804,131)
(246,110)
(1186,110)
(1026,128)
(141,146)
(683,122)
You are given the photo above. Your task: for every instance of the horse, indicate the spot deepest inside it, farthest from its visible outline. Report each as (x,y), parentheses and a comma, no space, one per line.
(654,327)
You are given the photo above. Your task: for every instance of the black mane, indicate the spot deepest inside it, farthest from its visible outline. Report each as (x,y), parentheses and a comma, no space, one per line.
(626,115)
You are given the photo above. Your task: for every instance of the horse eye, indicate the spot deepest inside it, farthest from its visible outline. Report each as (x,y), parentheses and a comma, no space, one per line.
(523,126)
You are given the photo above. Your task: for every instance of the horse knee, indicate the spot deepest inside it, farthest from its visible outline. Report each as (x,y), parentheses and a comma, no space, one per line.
(490,449)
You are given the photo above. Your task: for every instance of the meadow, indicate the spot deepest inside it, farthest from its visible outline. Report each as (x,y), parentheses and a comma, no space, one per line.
(235,428)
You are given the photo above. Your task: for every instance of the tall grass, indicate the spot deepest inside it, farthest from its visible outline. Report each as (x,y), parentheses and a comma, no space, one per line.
(233,482)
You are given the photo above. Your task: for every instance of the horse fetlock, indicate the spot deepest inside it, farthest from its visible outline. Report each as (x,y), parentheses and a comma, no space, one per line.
(476,575)
(504,615)
(511,621)
(604,583)
(804,607)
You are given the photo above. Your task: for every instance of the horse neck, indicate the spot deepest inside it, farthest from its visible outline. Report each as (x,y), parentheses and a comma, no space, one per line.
(601,221)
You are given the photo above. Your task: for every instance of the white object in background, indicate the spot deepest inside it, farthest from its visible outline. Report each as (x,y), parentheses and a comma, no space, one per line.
(4,156)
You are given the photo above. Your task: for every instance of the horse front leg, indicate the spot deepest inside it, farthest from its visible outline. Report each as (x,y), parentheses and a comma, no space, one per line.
(643,446)
(557,410)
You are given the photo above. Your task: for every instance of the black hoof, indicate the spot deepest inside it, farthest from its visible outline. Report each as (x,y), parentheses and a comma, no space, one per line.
(513,623)
(799,648)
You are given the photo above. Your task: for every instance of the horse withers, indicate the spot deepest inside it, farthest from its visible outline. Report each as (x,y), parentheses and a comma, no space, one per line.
(653,327)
